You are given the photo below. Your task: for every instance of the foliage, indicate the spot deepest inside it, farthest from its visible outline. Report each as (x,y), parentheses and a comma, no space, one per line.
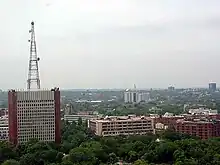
(80,147)
(10,162)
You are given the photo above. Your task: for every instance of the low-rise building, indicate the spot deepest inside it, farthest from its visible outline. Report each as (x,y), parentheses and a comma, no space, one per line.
(167,120)
(203,111)
(160,126)
(75,118)
(122,125)
(202,127)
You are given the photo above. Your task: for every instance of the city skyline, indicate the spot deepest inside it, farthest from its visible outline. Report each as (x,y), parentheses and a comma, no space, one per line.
(112,44)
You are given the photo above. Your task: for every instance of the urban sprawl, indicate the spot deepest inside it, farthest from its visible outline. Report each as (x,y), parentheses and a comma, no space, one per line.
(130,126)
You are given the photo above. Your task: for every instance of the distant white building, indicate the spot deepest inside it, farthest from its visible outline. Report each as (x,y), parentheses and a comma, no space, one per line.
(203,111)
(133,96)
(143,97)
(167,114)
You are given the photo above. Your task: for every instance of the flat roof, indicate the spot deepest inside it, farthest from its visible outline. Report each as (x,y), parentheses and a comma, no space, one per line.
(122,118)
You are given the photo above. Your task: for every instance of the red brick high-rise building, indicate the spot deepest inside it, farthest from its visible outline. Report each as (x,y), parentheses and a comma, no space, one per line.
(34,114)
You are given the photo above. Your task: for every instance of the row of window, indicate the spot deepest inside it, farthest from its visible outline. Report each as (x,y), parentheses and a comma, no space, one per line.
(38,134)
(136,128)
(26,139)
(35,125)
(34,101)
(35,112)
(44,108)
(37,109)
(21,118)
(35,105)
(3,128)
(4,133)
(125,132)
(127,123)
(37,115)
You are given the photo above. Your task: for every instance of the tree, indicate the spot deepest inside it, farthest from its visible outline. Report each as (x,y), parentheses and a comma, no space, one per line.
(28,159)
(188,162)
(80,122)
(216,159)
(140,162)
(6,152)
(132,156)
(36,147)
(59,157)
(96,148)
(179,155)
(48,155)
(165,151)
(112,159)
(81,154)
(10,162)
(67,162)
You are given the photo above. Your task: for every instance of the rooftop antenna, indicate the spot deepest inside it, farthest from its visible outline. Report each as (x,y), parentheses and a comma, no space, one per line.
(134,86)
(33,81)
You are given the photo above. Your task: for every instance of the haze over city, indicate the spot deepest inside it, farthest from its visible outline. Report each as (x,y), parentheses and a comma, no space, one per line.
(112,43)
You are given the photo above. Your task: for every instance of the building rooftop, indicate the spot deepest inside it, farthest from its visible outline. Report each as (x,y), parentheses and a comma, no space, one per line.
(196,120)
(34,90)
(122,118)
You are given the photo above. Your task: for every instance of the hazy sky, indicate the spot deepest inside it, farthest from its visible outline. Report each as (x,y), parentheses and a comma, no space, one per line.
(112,43)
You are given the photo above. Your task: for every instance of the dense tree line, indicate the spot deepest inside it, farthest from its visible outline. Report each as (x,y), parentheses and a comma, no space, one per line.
(80,147)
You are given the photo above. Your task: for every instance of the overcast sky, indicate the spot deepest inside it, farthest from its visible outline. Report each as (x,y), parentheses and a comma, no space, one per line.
(112,43)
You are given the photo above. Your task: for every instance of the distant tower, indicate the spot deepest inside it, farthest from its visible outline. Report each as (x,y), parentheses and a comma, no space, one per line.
(212,86)
(33,81)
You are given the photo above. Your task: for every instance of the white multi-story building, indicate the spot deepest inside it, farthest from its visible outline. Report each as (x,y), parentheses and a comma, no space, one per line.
(122,125)
(34,114)
(130,96)
(142,96)
(203,111)
(4,127)
(134,96)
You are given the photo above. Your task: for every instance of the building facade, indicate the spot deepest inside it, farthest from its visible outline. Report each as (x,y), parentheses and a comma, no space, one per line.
(34,114)
(168,121)
(130,96)
(143,96)
(171,88)
(212,86)
(71,118)
(3,112)
(203,127)
(202,111)
(133,96)
(4,127)
(122,125)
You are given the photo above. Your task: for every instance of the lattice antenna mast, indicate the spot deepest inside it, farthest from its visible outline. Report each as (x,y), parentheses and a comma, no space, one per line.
(33,81)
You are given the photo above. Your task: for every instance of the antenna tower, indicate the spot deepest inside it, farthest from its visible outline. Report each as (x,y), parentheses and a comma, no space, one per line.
(33,81)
